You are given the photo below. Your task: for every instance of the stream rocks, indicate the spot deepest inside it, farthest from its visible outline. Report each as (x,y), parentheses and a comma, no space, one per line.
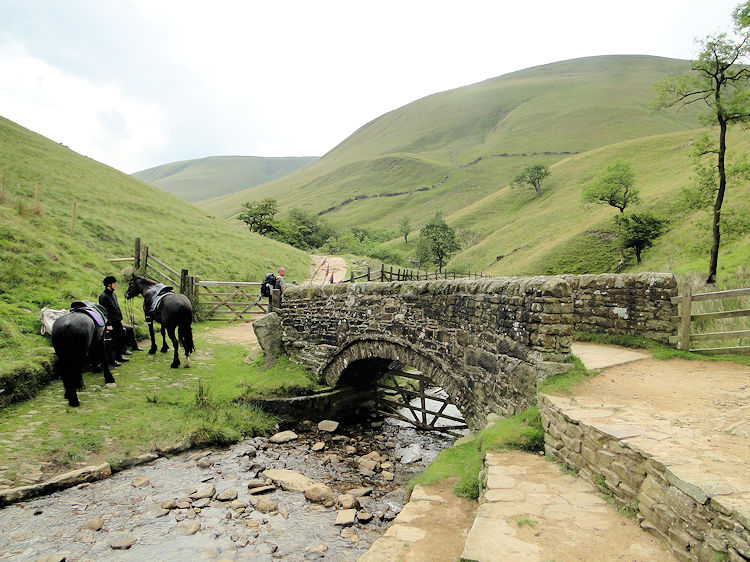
(256,500)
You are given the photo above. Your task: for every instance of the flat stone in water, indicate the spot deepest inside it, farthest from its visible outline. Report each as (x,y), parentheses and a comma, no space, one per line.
(188,527)
(328,426)
(123,542)
(283,437)
(94,524)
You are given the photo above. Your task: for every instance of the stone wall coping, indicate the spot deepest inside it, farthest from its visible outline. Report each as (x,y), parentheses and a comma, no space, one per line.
(541,285)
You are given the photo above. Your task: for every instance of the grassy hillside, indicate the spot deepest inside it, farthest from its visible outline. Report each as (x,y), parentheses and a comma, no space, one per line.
(43,263)
(207,178)
(446,151)
(556,233)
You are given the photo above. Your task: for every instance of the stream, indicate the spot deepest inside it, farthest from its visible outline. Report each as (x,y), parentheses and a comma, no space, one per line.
(135,525)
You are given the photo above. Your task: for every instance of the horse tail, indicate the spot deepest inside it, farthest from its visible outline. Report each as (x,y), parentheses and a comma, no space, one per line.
(185,336)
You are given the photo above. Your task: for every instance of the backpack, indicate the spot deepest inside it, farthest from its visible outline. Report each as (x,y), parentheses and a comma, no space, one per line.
(268,285)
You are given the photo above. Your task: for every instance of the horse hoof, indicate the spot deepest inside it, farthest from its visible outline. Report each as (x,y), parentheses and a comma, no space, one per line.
(74,403)
(152,351)
(164,349)
(174,365)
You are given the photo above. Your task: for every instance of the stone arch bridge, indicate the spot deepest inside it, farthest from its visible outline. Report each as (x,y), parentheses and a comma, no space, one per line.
(486,342)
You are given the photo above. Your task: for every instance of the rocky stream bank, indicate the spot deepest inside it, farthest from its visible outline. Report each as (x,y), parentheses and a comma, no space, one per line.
(316,491)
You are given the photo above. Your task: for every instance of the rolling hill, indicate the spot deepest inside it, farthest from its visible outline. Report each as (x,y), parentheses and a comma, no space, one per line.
(44,263)
(214,176)
(457,152)
(446,151)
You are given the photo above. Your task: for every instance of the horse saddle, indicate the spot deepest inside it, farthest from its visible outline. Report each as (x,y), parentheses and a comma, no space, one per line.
(155,294)
(96,311)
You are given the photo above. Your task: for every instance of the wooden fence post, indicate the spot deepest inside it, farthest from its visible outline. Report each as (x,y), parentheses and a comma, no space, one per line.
(184,282)
(196,287)
(685,306)
(145,258)
(73,222)
(368,272)
(137,254)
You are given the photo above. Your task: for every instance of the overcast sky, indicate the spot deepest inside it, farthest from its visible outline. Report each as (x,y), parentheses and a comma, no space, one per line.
(138,83)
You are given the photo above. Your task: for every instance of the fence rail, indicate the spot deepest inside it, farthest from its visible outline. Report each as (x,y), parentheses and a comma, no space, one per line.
(686,318)
(229,301)
(387,275)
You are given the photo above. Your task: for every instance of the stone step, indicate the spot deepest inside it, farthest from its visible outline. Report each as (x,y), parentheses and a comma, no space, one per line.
(531,510)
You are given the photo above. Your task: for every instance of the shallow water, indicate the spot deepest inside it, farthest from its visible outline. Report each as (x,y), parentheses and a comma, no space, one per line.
(297,530)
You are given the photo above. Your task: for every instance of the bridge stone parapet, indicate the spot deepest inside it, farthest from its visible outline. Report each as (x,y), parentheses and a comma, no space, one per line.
(487,342)
(632,304)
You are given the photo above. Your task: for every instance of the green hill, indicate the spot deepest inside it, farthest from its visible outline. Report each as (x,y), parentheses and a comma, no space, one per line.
(43,263)
(206,178)
(446,151)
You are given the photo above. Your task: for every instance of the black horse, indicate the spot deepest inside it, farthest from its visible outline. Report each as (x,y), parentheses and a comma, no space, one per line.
(172,310)
(78,340)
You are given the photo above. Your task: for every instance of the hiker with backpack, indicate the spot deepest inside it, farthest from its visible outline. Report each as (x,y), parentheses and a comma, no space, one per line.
(271,282)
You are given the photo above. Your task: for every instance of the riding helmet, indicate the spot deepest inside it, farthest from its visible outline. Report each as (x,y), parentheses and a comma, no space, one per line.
(109,279)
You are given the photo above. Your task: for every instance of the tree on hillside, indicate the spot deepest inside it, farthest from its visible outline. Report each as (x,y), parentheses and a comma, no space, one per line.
(639,230)
(719,78)
(613,187)
(260,216)
(438,241)
(532,176)
(404,227)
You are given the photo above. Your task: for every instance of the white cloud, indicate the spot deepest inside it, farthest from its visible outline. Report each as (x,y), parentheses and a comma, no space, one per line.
(139,83)
(94,119)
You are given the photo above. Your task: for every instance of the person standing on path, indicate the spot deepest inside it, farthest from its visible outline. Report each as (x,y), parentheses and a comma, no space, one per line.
(122,334)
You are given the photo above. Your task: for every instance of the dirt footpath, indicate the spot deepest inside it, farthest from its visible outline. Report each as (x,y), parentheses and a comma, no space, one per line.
(324,267)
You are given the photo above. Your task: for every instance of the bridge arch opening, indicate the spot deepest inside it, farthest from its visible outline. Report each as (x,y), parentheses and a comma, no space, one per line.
(402,383)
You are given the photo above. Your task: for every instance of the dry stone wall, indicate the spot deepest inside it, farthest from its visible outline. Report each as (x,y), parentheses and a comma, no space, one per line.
(485,341)
(695,523)
(635,304)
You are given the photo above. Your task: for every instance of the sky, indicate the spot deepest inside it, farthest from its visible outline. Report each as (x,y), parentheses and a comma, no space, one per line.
(139,83)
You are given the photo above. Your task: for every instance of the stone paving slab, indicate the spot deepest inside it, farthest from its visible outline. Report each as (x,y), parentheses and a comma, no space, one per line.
(431,527)
(598,356)
(532,510)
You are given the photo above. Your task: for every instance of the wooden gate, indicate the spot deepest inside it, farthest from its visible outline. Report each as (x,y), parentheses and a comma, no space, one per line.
(229,301)
(398,391)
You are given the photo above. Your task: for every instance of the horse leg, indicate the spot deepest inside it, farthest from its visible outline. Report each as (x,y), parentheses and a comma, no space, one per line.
(152,350)
(70,372)
(101,355)
(164,346)
(173,337)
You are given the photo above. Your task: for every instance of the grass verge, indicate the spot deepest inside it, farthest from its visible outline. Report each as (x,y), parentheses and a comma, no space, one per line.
(523,431)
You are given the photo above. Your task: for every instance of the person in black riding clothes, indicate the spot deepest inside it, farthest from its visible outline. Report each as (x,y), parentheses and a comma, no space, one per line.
(278,283)
(122,334)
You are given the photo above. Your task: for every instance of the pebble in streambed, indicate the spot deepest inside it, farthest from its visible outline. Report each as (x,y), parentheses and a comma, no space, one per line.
(319,491)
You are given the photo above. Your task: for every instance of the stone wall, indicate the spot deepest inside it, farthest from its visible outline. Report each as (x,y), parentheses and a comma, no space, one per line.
(696,523)
(485,341)
(635,304)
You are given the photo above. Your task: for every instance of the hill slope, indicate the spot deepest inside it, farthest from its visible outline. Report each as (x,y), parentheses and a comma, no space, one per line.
(43,263)
(206,178)
(446,151)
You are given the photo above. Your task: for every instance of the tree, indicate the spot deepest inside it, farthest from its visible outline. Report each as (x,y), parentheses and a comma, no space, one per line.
(719,79)
(404,227)
(613,187)
(638,231)
(532,176)
(439,240)
(260,216)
